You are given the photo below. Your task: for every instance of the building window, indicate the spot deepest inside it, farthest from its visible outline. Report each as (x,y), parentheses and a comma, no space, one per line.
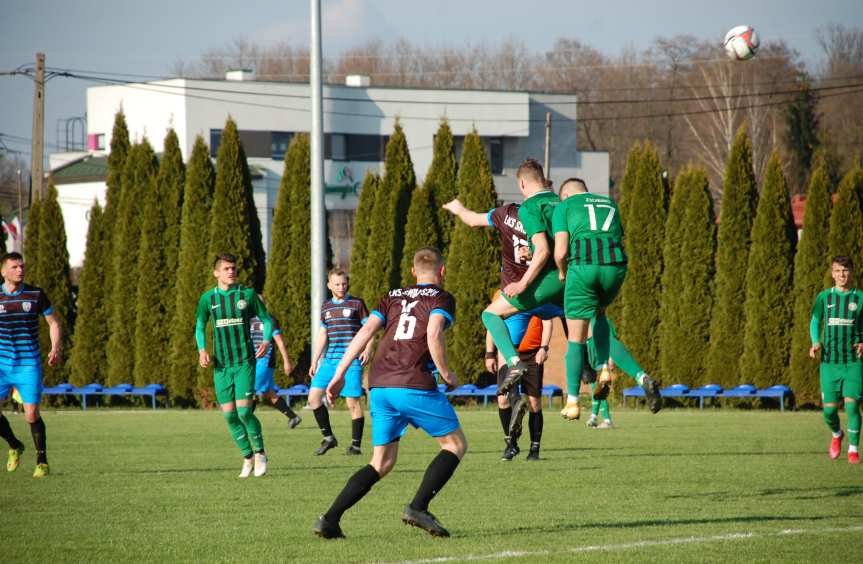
(337,147)
(100,141)
(370,148)
(279,141)
(495,150)
(215,140)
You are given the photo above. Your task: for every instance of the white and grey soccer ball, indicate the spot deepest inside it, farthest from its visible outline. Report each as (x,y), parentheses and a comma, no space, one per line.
(741,43)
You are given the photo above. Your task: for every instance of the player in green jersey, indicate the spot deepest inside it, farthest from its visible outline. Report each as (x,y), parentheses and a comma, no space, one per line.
(836,331)
(588,251)
(232,307)
(539,284)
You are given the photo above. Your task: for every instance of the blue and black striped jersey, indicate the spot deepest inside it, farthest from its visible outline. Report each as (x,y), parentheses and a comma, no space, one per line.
(342,320)
(19,325)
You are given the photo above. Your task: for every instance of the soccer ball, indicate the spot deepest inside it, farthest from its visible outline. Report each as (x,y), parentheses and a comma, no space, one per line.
(741,43)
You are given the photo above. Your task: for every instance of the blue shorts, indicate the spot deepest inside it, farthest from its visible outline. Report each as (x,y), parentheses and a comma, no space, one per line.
(264,380)
(518,322)
(353,378)
(26,379)
(393,409)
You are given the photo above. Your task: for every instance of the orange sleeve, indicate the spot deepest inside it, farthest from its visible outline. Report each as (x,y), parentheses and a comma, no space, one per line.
(532,339)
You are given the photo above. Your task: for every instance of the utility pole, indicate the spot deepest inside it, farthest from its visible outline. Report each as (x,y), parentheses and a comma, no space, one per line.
(318,207)
(20,211)
(547,165)
(37,151)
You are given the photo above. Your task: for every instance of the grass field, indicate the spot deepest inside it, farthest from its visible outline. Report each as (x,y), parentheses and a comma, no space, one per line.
(684,485)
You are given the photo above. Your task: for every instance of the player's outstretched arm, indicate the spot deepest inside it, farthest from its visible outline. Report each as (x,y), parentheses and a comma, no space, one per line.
(202,315)
(437,348)
(280,344)
(547,332)
(358,343)
(468,217)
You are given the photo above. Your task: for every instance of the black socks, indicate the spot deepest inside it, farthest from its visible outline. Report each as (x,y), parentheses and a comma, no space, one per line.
(437,475)
(6,433)
(505,417)
(282,406)
(534,423)
(38,431)
(322,416)
(357,431)
(358,485)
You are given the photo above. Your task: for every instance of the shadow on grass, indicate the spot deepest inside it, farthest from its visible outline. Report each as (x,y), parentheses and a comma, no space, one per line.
(819,492)
(562,527)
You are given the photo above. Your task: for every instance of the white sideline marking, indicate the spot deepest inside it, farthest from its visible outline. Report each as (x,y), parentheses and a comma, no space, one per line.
(630,545)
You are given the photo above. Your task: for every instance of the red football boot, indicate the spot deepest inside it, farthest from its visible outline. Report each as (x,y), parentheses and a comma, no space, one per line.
(853,458)
(836,446)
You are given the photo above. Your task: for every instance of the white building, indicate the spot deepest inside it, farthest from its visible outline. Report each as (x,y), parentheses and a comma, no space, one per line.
(357,123)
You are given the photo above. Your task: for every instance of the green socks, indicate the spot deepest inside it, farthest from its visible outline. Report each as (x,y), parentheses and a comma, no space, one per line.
(601,336)
(831,417)
(574,366)
(238,432)
(500,335)
(852,410)
(253,427)
(623,359)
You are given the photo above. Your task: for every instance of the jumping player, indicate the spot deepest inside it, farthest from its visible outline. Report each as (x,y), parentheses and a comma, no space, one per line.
(404,391)
(837,324)
(588,251)
(342,316)
(265,368)
(21,305)
(232,307)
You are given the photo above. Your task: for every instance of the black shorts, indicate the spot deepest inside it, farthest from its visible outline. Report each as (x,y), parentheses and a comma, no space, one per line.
(531,383)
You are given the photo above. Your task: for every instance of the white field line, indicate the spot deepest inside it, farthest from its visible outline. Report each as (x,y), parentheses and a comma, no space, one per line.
(632,545)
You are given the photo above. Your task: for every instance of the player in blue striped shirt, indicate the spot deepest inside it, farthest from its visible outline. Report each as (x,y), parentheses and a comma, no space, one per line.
(342,316)
(21,306)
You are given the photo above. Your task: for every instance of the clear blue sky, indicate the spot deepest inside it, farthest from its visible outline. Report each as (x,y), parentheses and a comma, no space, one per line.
(148,37)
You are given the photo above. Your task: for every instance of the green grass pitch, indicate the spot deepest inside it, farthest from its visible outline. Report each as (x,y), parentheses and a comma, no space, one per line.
(683,485)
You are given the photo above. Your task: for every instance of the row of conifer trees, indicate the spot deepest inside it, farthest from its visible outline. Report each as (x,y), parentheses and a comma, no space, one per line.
(702,303)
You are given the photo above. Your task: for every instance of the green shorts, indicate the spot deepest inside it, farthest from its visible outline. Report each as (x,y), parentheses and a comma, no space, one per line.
(591,286)
(841,381)
(547,288)
(234,382)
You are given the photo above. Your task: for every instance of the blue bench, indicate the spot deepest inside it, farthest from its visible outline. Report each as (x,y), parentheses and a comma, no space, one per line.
(297,390)
(778,391)
(150,390)
(551,391)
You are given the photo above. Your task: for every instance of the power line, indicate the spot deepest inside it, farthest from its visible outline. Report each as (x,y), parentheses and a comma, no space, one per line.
(853,88)
(794,91)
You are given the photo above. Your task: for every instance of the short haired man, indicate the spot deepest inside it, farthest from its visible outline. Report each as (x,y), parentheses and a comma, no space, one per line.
(404,392)
(21,306)
(588,251)
(232,306)
(265,368)
(836,331)
(342,316)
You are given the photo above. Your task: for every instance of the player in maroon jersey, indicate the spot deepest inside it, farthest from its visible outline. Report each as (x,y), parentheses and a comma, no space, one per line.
(404,391)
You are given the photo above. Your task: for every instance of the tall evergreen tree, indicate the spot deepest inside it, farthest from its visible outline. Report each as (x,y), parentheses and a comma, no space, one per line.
(31,242)
(810,264)
(624,193)
(281,269)
(87,359)
(157,267)
(388,227)
(473,267)
(419,230)
(739,198)
(120,147)
(138,177)
(769,284)
(362,234)
(234,217)
(54,278)
(846,223)
(674,275)
(298,180)
(194,274)
(801,131)
(645,234)
(441,183)
(699,250)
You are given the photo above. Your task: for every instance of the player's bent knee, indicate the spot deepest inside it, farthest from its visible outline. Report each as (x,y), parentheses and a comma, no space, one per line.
(231,416)
(454,442)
